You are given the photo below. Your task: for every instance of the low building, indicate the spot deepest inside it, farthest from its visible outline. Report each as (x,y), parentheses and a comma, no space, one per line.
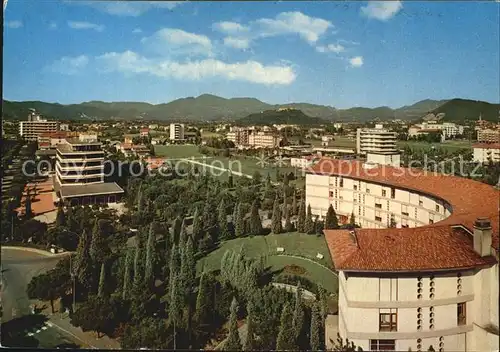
(144,132)
(304,162)
(327,140)
(486,152)
(423,269)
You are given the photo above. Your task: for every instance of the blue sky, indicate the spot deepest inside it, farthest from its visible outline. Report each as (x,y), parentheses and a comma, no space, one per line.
(341,54)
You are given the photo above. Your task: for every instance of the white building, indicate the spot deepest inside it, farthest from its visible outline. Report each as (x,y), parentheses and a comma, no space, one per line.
(378,144)
(447,129)
(35,126)
(263,140)
(486,152)
(488,135)
(430,281)
(303,162)
(327,140)
(176,131)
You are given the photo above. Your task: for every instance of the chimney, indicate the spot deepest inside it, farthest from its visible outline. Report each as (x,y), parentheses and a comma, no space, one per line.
(482,236)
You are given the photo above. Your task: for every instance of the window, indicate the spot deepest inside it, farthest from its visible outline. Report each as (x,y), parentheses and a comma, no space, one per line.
(431,221)
(461,314)
(393,193)
(341,182)
(388,322)
(355,187)
(420,202)
(382,345)
(367,190)
(378,218)
(384,193)
(331,194)
(437,208)
(378,205)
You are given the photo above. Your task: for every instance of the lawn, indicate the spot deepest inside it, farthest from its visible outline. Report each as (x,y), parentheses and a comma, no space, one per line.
(450,145)
(295,244)
(177,151)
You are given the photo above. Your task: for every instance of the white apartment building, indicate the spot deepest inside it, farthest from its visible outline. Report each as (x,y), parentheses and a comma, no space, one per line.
(176,131)
(35,126)
(80,173)
(378,144)
(488,135)
(239,136)
(263,140)
(430,281)
(486,152)
(447,129)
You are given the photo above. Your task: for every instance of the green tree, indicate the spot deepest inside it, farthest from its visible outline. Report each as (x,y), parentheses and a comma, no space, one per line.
(222,219)
(60,217)
(83,261)
(315,333)
(140,199)
(276,225)
(176,228)
(233,342)
(197,226)
(341,345)
(102,277)
(255,222)
(49,286)
(298,314)
(294,203)
(286,339)
(203,302)
(183,234)
(27,206)
(239,224)
(250,343)
(187,273)
(309,223)
(393,223)
(331,220)
(352,220)
(150,251)
(288,223)
(127,275)
(230,183)
(137,270)
(301,221)
(174,267)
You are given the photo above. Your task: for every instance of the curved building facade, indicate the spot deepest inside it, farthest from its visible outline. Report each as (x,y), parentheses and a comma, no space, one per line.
(423,269)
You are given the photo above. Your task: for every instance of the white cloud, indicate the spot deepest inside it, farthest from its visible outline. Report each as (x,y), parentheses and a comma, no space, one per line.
(356,61)
(177,41)
(237,43)
(286,23)
(137,31)
(69,65)
(128,8)
(52,25)
(249,71)
(382,10)
(85,25)
(14,24)
(334,48)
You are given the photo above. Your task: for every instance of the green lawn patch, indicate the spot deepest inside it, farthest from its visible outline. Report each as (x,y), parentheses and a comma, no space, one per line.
(177,151)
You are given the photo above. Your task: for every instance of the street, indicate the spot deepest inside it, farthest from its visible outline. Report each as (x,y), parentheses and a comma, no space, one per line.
(18,267)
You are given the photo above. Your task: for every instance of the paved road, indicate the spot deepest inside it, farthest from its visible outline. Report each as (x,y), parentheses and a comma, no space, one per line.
(18,267)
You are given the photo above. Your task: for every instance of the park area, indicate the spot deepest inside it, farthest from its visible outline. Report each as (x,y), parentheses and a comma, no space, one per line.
(300,254)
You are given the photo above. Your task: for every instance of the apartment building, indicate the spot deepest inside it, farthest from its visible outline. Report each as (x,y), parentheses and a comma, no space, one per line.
(303,162)
(486,152)
(263,140)
(432,280)
(35,126)
(239,136)
(378,144)
(488,135)
(447,129)
(79,175)
(176,131)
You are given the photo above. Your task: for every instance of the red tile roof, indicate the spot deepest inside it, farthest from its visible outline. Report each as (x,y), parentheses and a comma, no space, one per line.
(407,248)
(486,145)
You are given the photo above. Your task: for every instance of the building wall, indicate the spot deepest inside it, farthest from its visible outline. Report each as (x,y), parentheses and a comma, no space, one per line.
(30,130)
(373,204)
(484,155)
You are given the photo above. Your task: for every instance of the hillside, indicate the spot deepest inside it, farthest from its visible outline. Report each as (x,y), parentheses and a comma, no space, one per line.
(457,110)
(288,116)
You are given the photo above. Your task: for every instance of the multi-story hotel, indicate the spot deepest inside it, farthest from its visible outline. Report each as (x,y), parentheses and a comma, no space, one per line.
(431,279)
(447,129)
(176,131)
(378,144)
(488,135)
(486,152)
(80,173)
(35,126)
(263,140)
(239,136)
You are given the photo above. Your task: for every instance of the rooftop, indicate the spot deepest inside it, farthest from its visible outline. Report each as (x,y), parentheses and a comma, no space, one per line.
(487,145)
(420,248)
(92,189)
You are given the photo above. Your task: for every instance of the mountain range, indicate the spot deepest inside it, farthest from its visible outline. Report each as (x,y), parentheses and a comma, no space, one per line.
(209,107)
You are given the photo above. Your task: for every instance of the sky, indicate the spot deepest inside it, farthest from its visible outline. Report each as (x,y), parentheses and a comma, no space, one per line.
(342,54)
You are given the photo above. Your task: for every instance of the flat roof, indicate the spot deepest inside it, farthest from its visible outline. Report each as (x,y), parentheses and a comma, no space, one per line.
(486,145)
(397,249)
(93,189)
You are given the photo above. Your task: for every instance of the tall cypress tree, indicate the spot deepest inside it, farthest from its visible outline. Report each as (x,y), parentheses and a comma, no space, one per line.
(183,234)
(230,183)
(175,261)
(309,224)
(60,217)
(27,206)
(255,222)
(202,310)
(126,275)
(176,229)
(286,339)
(149,264)
(102,277)
(98,244)
(288,223)
(239,225)
(187,273)
(298,315)
(222,220)
(83,261)
(294,203)
(316,328)
(140,199)
(331,221)
(174,306)
(352,220)
(197,226)
(250,344)
(276,225)
(233,342)
(301,221)
(137,269)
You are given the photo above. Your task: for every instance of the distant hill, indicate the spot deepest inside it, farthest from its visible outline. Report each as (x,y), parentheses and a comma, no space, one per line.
(458,110)
(285,116)
(211,107)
